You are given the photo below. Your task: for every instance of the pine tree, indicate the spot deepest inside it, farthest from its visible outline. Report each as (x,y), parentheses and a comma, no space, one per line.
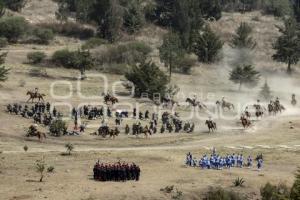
(242,38)
(147,78)
(133,18)
(244,75)
(265,92)
(171,51)
(295,191)
(207,45)
(287,45)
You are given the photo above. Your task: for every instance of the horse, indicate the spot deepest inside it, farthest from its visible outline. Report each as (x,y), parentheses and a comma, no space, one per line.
(109,98)
(294,101)
(195,103)
(212,126)
(167,101)
(33,132)
(245,122)
(225,104)
(35,95)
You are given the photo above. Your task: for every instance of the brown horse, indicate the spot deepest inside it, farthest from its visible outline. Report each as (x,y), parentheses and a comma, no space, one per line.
(38,134)
(225,104)
(34,95)
(195,103)
(109,98)
(212,126)
(245,122)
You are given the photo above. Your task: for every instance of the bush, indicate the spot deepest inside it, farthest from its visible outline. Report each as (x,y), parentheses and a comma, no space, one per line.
(295,191)
(36,57)
(3,42)
(131,53)
(15,5)
(43,35)
(38,72)
(69,29)
(185,64)
(50,169)
(238,182)
(73,59)
(221,194)
(58,127)
(25,148)
(93,42)
(13,28)
(273,192)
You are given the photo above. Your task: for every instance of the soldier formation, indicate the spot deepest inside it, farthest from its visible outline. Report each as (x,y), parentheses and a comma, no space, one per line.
(116,172)
(215,161)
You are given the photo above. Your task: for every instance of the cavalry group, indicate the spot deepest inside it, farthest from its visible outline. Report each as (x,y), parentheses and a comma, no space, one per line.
(116,172)
(218,162)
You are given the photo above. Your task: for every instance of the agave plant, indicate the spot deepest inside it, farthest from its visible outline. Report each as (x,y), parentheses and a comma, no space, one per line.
(239,182)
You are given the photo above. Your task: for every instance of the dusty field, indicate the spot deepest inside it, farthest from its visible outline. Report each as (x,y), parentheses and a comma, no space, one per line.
(160,157)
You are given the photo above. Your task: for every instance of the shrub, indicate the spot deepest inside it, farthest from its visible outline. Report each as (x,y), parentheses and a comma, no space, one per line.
(15,5)
(40,168)
(43,35)
(58,127)
(36,57)
(221,194)
(70,148)
(13,28)
(185,64)
(273,192)
(25,148)
(131,53)
(3,42)
(238,182)
(69,29)
(295,192)
(50,169)
(38,72)
(73,59)
(93,42)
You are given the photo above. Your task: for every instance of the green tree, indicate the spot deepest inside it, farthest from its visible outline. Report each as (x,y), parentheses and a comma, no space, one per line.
(244,75)
(278,8)
(133,16)
(171,51)
(2,8)
(83,61)
(207,45)
(295,191)
(265,92)
(13,28)
(147,78)
(296,7)
(287,45)
(242,37)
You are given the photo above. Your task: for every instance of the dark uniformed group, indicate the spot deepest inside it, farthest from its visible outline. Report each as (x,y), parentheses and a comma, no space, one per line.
(116,172)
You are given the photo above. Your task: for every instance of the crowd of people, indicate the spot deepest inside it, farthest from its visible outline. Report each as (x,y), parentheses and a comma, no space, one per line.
(118,172)
(216,161)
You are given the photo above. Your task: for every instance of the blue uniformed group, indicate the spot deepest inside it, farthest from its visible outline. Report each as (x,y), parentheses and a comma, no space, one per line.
(116,172)
(215,161)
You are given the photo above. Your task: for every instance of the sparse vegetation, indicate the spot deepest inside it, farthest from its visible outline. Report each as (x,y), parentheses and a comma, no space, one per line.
(273,192)
(222,194)
(40,166)
(69,147)
(50,169)
(93,43)
(36,57)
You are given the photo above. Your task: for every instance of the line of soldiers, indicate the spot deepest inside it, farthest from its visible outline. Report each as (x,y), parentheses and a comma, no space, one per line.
(116,172)
(39,112)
